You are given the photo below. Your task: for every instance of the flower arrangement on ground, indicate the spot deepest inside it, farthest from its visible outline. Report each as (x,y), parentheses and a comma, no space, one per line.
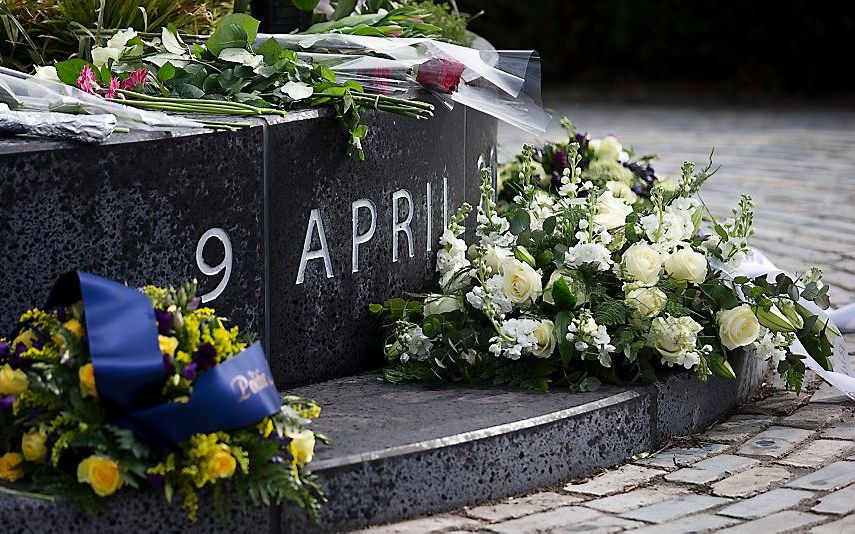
(591,269)
(68,426)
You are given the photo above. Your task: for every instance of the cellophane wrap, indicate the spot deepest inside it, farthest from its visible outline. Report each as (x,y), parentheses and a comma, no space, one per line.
(84,128)
(22,91)
(502,83)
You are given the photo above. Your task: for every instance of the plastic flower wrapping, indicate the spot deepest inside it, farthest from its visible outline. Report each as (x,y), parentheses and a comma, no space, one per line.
(61,434)
(589,268)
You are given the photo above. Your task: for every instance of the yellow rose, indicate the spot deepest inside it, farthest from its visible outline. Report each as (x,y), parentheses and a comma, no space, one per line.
(168,345)
(737,327)
(220,464)
(642,263)
(544,333)
(86,374)
(521,283)
(687,265)
(101,473)
(33,446)
(12,381)
(302,446)
(11,466)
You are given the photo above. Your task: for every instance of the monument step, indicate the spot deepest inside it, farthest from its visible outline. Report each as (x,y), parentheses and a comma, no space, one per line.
(400,451)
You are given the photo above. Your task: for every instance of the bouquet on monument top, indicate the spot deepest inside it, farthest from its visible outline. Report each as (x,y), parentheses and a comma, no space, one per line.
(588,269)
(226,74)
(108,387)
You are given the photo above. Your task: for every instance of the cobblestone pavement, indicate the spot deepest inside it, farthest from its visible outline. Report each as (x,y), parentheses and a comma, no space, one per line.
(781,463)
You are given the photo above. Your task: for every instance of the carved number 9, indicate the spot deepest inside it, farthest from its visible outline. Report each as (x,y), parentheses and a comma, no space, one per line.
(224,267)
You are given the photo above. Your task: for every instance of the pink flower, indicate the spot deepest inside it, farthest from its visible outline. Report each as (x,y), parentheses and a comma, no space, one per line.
(111,90)
(134,79)
(86,80)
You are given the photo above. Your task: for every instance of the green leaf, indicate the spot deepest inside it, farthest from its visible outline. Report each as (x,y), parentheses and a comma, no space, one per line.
(166,72)
(270,50)
(563,296)
(375,308)
(549,225)
(721,232)
(565,349)
(720,366)
(740,280)
(69,70)
(520,222)
(610,312)
(233,31)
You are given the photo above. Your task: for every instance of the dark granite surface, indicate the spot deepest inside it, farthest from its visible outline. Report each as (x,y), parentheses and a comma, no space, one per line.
(137,207)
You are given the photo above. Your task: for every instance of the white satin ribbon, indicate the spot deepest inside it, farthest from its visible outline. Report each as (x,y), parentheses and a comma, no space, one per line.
(843,319)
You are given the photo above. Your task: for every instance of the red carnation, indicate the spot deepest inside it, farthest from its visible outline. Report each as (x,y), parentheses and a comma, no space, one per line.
(441,75)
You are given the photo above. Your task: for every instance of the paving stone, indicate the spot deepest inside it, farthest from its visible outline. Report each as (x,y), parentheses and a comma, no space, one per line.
(565,519)
(842,430)
(828,394)
(624,502)
(840,502)
(819,452)
(615,481)
(767,503)
(693,523)
(775,441)
(830,477)
(681,457)
(841,526)
(815,416)
(781,403)
(751,481)
(711,469)
(674,508)
(787,521)
(736,429)
(433,524)
(513,508)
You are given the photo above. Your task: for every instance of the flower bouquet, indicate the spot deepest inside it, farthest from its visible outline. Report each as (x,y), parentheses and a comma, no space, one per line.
(590,268)
(108,387)
(226,74)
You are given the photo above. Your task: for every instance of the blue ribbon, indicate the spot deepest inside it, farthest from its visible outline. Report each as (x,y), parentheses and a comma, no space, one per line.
(123,342)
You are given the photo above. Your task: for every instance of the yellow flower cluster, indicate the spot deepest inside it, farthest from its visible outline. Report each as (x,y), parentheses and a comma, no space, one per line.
(86,374)
(212,458)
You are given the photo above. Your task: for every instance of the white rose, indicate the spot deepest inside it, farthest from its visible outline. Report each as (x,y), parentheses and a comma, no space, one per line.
(607,148)
(643,263)
(520,282)
(47,73)
(647,301)
(622,190)
(673,336)
(611,211)
(120,38)
(738,327)
(102,54)
(494,257)
(544,333)
(436,304)
(687,265)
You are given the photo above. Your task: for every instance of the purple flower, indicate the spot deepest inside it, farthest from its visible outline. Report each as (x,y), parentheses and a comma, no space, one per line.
(205,357)
(168,366)
(194,303)
(190,372)
(582,139)
(7,402)
(559,160)
(164,321)
(155,480)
